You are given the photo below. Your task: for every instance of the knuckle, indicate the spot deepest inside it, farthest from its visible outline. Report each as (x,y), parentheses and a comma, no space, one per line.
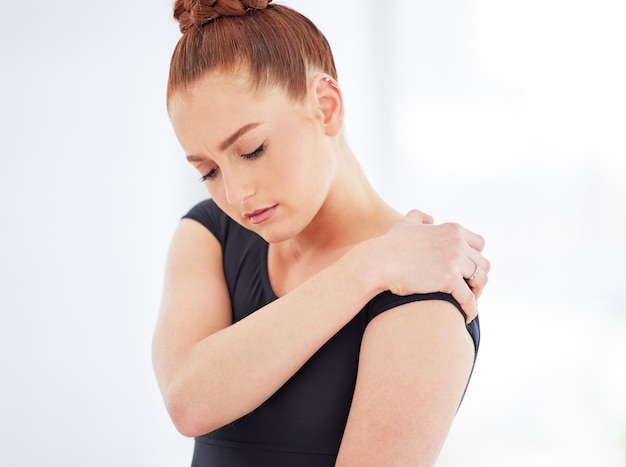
(451,227)
(415,214)
(458,259)
(454,257)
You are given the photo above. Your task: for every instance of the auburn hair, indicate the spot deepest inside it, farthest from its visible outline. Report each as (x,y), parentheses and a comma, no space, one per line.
(276,45)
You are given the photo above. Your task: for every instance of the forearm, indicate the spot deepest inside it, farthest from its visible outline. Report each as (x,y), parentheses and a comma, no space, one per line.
(233,371)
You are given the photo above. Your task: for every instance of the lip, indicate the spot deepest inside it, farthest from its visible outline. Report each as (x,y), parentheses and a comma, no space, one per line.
(261,215)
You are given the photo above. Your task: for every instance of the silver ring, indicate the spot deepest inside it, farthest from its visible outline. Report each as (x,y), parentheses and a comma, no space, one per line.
(476,272)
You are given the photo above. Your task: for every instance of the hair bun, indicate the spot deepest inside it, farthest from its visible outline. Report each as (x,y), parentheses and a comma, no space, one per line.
(190,13)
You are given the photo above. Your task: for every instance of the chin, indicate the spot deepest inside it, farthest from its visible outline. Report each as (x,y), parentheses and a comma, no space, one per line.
(274,234)
(274,237)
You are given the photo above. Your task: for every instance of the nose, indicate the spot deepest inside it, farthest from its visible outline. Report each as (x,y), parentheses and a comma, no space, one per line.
(237,188)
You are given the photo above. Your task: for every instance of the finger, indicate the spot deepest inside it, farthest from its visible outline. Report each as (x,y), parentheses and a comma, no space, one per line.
(475,259)
(471,268)
(420,217)
(476,241)
(463,294)
(478,278)
(477,291)
(477,286)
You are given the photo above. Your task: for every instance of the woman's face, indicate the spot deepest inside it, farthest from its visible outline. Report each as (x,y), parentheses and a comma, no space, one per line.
(264,158)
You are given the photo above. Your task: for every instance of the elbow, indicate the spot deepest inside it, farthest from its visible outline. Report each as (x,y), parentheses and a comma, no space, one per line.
(182,415)
(189,419)
(185,424)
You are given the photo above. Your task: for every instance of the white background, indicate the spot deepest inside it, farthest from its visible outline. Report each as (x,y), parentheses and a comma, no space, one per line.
(508,117)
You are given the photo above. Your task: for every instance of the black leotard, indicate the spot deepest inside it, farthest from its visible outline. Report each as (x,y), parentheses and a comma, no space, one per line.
(302,424)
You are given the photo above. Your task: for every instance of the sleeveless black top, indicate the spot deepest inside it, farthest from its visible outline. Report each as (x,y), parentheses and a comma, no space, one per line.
(303,422)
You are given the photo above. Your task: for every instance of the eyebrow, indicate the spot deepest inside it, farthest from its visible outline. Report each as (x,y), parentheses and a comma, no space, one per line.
(236,135)
(192,158)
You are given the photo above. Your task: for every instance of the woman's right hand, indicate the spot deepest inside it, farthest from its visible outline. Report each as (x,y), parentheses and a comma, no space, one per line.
(415,256)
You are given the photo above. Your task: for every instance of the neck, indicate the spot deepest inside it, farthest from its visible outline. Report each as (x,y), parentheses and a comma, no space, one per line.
(351,213)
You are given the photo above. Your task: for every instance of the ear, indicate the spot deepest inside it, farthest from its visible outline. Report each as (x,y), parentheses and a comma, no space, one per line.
(327,102)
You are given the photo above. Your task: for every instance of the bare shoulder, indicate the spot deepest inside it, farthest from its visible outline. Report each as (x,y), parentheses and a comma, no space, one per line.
(414,365)
(195,301)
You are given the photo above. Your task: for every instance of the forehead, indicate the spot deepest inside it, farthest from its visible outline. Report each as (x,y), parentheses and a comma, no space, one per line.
(213,89)
(216,105)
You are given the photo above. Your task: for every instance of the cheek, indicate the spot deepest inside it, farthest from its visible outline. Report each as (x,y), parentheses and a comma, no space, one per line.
(299,163)
(295,176)
(218,194)
(288,172)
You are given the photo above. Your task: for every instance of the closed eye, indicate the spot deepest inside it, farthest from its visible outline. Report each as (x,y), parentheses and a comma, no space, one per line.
(209,175)
(254,154)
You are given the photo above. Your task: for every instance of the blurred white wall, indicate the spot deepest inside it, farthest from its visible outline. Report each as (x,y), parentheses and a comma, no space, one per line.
(507,117)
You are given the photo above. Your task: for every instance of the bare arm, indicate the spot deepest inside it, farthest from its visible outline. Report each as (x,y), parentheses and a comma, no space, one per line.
(205,366)
(414,365)
(211,372)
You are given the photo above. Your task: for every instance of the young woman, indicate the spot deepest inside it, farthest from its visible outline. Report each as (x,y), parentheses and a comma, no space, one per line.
(304,322)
